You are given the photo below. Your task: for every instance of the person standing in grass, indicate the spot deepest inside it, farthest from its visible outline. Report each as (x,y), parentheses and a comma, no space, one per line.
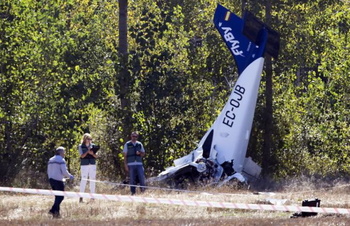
(133,154)
(56,171)
(87,164)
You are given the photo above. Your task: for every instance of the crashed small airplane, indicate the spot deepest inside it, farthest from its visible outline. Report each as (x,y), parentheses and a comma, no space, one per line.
(221,154)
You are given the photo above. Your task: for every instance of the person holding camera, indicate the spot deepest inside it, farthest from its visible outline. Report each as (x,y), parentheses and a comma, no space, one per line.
(87,163)
(56,171)
(133,154)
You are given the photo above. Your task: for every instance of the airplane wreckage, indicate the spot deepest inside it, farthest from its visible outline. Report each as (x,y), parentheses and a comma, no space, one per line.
(221,154)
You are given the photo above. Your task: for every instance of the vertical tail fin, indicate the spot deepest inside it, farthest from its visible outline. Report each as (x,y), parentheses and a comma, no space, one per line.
(246,38)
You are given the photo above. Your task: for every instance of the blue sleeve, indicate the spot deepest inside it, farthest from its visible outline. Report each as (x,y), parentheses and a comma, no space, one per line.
(125,150)
(64,169)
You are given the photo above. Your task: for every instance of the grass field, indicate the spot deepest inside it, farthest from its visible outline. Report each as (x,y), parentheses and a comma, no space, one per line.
(25,209)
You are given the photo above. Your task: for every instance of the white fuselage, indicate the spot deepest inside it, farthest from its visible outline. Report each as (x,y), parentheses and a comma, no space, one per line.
(233,126)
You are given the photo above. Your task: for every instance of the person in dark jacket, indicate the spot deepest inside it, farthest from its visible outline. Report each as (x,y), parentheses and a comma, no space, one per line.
(87,164)
(133,154)
(56,171)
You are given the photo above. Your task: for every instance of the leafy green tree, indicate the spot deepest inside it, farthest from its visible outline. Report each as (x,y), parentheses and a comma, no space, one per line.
(51,75)
(160,67)
(311,122)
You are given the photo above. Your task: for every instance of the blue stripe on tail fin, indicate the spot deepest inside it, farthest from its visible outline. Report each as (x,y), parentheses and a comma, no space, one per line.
(230,28)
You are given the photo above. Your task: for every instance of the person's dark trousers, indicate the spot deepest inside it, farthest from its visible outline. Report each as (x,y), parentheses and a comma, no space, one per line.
(59,186)
(136,171)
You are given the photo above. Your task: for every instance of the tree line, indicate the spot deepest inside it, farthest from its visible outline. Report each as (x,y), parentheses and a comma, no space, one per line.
(65,70)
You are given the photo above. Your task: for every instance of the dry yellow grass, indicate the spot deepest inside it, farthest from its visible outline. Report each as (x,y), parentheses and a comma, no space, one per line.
(23,209)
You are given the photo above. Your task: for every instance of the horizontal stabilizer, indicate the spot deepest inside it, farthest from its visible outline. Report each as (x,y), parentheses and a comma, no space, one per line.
(251,29)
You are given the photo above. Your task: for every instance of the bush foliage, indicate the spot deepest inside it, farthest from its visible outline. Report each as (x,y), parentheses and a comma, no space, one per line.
(61,75)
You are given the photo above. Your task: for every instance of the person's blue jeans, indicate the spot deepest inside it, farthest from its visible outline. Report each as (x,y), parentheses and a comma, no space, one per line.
(59,186)
(136,172)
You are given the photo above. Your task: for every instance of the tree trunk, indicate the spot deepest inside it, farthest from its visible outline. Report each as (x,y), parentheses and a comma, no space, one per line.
(124,75)
(123,27)
(267,164)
